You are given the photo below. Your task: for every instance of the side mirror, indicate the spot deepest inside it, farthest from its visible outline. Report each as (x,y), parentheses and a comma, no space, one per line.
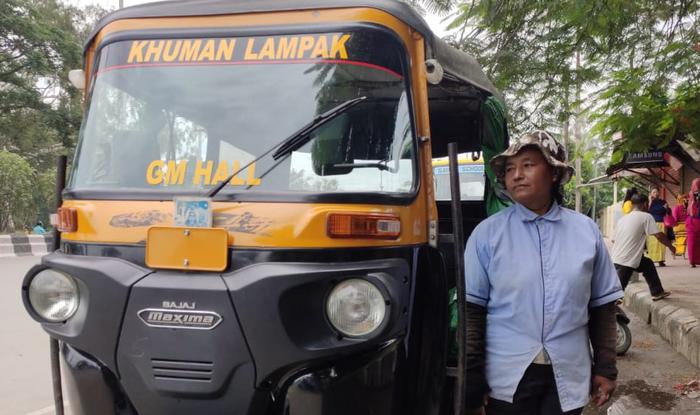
(433,71)
(77,78)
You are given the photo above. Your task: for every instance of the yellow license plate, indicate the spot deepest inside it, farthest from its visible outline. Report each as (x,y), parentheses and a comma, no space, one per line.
(196,249)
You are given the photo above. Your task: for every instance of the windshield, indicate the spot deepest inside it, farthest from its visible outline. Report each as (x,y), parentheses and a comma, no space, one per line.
(471,179)
(181,115)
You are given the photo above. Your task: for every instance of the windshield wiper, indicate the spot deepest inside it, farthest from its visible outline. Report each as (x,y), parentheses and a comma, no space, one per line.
(294,141)
(381,165)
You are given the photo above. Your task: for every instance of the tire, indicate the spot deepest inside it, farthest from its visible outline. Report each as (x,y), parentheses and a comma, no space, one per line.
(624,339)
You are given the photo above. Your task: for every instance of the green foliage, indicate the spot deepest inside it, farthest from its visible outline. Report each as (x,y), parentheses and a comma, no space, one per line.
(44,195)
(638,71)
(529,49)
(38,46)
(649,116)
(16,201)
(40,111)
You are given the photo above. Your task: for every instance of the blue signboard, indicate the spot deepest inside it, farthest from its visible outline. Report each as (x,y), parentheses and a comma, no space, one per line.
(463,169)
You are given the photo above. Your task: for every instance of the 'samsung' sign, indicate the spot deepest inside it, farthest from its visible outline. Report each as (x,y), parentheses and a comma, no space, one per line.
(644,157)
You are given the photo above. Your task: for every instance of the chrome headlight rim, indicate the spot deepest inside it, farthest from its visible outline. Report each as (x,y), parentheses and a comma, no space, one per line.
(377,284)
(29,304)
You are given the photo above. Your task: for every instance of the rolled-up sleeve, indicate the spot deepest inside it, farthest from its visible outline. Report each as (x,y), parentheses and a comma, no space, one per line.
(475,264)
(605,285)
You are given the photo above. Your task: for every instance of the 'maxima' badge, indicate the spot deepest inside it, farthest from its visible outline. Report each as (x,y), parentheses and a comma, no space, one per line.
(180,319)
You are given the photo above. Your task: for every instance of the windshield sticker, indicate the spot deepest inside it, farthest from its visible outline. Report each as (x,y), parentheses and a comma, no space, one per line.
(277,48)
(193,212)
(243,223)
(140,219)
(160,172)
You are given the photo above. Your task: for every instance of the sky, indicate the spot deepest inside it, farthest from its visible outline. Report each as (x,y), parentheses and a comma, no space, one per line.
(433,20)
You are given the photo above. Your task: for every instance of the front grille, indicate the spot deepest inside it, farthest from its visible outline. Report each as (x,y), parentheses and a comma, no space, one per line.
(167,369)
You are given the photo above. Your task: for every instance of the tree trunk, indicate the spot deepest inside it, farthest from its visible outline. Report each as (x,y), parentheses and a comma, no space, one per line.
(577,133)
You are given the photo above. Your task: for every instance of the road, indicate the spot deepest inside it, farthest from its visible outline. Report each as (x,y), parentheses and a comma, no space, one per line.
(25,386)
(647,375)
(645,386)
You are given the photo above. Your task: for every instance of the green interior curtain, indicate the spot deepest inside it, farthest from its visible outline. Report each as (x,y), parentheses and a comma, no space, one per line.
(494,141)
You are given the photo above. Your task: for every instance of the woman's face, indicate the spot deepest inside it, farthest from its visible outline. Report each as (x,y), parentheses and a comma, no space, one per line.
(529,179)
(654,193)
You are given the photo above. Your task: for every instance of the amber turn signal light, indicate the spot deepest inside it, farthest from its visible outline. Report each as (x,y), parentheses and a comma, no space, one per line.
(67,220)
(352,225)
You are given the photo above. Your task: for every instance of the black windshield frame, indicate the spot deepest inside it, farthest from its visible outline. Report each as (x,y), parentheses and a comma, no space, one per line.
(280,196)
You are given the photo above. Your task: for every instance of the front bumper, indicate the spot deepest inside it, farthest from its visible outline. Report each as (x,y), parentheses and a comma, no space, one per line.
(143,334)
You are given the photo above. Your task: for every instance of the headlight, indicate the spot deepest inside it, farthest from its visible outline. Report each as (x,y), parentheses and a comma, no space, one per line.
(355,307)
(53,295)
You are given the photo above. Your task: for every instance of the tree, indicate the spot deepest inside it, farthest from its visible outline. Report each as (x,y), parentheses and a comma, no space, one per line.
(44,195)
(16,204)
(528,49)
(40,111)
(38,46)
(639,72)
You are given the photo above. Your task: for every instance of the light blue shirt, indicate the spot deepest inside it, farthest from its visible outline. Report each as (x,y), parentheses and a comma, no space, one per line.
(538,276)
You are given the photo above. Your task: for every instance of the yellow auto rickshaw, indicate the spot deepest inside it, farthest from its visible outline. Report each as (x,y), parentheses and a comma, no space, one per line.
(249,225)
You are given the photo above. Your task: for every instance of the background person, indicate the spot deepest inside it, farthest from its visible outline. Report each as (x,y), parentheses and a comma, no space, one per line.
(628,247)
(39,229)
(692,224)
(658,208)
(627,203)
(541,288)
(680,215)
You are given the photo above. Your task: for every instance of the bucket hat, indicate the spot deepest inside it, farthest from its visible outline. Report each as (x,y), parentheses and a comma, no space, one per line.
(553,151)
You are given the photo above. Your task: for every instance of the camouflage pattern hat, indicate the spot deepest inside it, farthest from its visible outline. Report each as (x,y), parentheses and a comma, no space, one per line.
(551,149)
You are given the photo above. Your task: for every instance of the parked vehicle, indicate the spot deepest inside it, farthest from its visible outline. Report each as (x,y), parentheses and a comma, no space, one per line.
(624,334)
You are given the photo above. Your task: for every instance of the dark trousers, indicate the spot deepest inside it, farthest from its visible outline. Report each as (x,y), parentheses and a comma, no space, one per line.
(536,395)
(648,270)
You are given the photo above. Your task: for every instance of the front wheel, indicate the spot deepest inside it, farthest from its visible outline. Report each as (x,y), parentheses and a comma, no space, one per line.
(624,339)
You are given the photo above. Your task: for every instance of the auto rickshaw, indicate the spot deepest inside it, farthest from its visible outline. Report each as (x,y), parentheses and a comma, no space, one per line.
(472,179)
(249,225)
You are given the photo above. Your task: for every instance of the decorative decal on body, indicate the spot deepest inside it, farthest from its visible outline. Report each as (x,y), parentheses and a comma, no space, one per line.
(243,223)
(140,219)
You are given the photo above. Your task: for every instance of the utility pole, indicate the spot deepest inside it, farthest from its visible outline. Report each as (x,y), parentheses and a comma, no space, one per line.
(121,4)
(595,193)
(577,133)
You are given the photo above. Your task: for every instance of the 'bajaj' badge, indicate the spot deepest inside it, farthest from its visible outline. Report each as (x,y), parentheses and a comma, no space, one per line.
(180,319)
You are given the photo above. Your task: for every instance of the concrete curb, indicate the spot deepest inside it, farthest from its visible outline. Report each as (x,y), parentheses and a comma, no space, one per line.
(25,245)
(676,325)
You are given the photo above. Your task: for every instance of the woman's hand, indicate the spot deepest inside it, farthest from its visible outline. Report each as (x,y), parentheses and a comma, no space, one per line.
(602,389)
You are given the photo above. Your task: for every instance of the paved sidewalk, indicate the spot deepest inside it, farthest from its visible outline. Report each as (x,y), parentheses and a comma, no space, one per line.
(677,317)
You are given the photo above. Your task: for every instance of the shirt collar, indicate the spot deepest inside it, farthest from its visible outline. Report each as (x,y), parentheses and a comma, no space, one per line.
(526,215)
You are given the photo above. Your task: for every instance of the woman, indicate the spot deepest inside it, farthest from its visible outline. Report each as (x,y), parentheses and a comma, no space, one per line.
(692,224)
(541,289)
(627,203)
(680,215)
(658,208)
